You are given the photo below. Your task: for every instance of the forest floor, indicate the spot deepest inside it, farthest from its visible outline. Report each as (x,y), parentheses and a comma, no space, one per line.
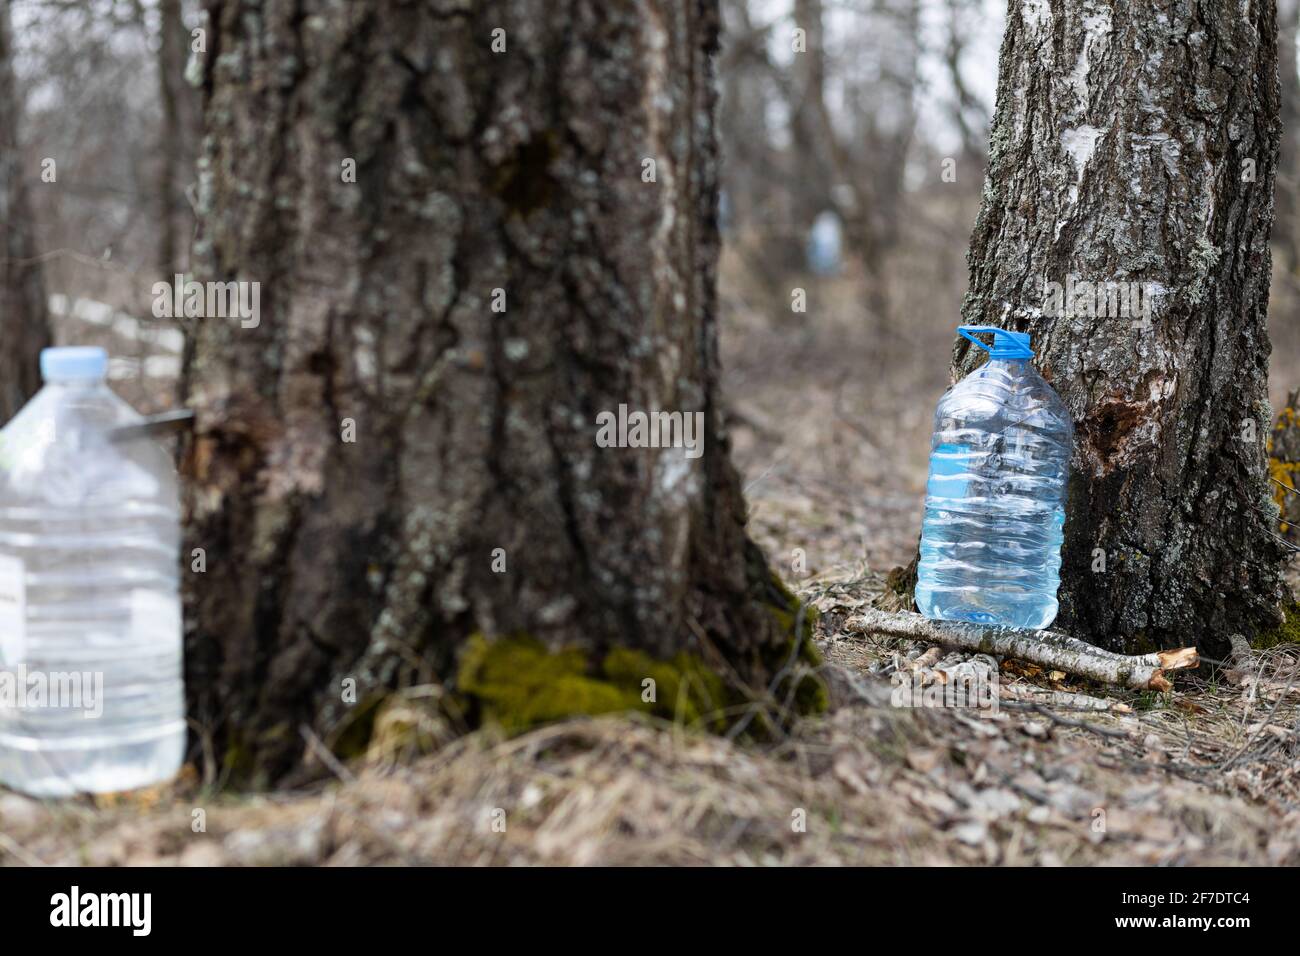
(830,430)
(1209,775)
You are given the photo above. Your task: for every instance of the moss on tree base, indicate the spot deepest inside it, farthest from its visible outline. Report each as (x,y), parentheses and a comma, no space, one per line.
(1288,632)
(517,682)
(797,621)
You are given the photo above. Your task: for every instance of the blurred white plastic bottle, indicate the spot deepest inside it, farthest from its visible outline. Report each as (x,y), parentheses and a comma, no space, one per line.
(89,550)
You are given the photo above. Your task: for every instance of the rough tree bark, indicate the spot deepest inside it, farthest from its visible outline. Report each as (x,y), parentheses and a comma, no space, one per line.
(24,329)
(1138,143)
(482,178)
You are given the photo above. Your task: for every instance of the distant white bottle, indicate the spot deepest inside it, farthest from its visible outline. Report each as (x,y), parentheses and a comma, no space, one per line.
(89,552)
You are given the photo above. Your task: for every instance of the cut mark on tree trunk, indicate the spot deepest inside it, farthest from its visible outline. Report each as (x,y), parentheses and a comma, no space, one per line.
(1107,430)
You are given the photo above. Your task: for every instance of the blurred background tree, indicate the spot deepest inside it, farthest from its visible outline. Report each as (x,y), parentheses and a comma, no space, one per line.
(23,328)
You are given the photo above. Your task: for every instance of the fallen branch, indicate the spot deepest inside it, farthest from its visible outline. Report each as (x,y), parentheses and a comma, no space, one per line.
(1062,699)
(1046,648)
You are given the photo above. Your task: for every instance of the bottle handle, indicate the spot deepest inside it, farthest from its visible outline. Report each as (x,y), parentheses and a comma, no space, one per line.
(1005,344)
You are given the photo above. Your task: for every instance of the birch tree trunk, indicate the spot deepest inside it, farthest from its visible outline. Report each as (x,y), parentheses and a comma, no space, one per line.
(1137,143)
(24,330)
(504,269)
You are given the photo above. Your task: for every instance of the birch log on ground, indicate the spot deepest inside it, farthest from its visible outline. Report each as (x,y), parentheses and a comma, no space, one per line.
(1048,648)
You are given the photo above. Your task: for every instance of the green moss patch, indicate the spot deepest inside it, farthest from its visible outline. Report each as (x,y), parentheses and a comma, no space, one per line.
(685,690)
(796,621)
(518,683)
(1288,632)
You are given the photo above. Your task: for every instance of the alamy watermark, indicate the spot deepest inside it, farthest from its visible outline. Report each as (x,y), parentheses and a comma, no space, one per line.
(133,911)
(972,689)
(638,429)
(24,689)
(208,300)
(1078,297)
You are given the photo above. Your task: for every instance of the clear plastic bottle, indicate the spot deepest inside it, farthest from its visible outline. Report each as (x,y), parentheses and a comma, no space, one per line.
(995,500)
(89,550)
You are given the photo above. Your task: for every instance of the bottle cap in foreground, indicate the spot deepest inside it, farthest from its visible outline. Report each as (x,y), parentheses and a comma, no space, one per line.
(81,363)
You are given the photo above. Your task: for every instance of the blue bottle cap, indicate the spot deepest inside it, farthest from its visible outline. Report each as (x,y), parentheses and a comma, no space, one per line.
(1006,344)
(75,364)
